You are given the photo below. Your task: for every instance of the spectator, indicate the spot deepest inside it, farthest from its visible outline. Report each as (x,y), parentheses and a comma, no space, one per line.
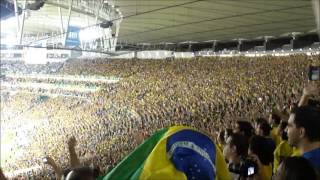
(263,155)
(245,128)
(297,168)
(58,171)
(82,173)
(274,121)
(257,122)
(2,177)
(235,151)
(74,160)
(283,150)
(227,133)
(303,132)
(264,129)
(221,141)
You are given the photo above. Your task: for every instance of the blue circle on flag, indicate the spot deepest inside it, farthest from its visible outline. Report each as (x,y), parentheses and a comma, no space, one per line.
(192,153)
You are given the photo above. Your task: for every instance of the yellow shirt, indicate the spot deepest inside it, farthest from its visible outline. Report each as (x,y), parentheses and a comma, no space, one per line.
(220,146)
(266,172)
(221,167)
(282,150)
(295,152)
(274,135)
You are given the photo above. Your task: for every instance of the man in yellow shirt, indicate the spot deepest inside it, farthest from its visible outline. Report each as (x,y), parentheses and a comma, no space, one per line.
(295,152)
(274,121)
(283,150)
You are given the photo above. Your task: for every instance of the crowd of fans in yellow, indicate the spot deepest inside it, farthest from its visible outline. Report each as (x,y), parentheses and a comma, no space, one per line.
(210,94)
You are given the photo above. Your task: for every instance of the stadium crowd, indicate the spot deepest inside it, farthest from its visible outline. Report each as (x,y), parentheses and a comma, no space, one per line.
(228,98)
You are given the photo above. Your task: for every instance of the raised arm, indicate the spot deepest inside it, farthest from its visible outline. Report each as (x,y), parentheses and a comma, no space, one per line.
(311,89)
(2,175)
(48,160)
(74,160)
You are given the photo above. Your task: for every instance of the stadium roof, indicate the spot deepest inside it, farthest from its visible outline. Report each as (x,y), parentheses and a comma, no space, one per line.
(163,21)
(213,19)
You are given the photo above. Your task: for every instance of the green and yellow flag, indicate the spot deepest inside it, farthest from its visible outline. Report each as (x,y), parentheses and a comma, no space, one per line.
(177,152)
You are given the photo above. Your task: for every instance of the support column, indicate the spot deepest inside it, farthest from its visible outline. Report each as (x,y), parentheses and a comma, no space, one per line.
(110,45)
(98,11)
(189,47)
(61,20)
(135,56)
(106,40)
(292,41)
(68,22)
(214,45)
(17,15)
(115,38)
(265,43)
(239,45)
(88,21)
(101,43)
(316,9)
(23,18)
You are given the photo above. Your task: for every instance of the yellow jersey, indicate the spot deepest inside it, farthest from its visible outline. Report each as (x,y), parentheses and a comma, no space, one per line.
(295,152)
(274,135)
(266,172)
(282,150)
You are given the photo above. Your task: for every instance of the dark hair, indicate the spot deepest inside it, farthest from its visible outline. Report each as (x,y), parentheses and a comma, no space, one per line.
(282,128)
(265,127)
(246,128)
(241,142)
(229,131)
(2,175)
(82,173)
(314,103)
(308,117)
(298,168)
(258,146)
(221,136)
(260,120)
(276,118)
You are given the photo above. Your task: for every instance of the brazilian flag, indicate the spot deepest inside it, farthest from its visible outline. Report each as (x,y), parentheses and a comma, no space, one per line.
(178,152)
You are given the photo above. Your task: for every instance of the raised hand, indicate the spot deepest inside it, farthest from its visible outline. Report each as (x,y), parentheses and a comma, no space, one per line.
(72,142)
(311,89)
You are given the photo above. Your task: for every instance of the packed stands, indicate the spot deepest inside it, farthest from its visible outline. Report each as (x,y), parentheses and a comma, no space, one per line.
(210,94)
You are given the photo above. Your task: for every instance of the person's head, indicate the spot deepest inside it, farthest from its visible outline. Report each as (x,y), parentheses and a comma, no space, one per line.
(236,147)
(2,175)
(244,127)
(221,138)
(227,133)
(282,130)
(263,129)
(274,119)
(82,173)
(257,122)
(304,125)
(296,168)
(257,146)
